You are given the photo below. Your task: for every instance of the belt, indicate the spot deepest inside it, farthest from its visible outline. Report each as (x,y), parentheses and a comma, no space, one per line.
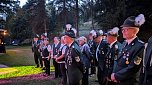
(45,57)
(61,62)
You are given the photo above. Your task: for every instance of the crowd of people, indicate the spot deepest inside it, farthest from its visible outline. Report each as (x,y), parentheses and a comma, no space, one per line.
(100,55)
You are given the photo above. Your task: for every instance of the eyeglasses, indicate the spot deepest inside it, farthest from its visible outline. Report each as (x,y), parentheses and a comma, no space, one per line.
(124,30)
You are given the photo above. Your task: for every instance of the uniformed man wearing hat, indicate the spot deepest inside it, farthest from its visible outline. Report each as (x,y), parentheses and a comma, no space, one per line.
(86,58)
(129,59)
(56,47)
(46,56)
(61,60)
(100,56)
(35,47)
(147,64)
(112,54)
(93,46)
(73,59)
(41,46)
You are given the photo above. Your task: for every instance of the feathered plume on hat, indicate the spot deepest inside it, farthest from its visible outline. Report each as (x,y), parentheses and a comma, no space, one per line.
(139,20)
(71,33)
(74,30)
(68,26)
(100,32)
(96,33)
(114,32)
(133,21)
(45,34)
(37,35)
(93,33)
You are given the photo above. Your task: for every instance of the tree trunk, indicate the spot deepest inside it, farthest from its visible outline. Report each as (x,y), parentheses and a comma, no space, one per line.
(77,17)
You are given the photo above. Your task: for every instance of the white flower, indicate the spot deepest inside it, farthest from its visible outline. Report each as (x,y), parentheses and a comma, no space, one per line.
(139,20)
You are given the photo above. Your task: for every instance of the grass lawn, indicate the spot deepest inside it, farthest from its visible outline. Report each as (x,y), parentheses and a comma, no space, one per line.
(20,61)
(17,56)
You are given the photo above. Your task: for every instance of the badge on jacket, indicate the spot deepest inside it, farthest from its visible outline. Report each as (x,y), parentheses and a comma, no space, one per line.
(137,60)
(77,59)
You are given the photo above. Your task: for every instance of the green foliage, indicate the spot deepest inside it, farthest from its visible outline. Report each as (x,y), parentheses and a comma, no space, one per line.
(109,13)
(19,26)
(15,56)
(36,15)
(7,6)
(19,71)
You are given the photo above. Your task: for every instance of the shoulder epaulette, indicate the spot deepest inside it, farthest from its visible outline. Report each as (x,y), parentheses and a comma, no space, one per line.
(141,41)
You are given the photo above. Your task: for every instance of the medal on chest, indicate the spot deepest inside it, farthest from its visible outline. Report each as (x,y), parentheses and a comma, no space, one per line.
(69,58)
(127,58)
(127,62)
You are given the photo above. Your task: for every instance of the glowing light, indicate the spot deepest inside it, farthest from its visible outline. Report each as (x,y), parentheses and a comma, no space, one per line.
(4,33)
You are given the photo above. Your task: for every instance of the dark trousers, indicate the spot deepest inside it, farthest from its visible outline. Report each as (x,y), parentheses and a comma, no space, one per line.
(93,66)
(148,81)
(47,66)
(101,76)
(85,80)
(75,84)
(63,72)
(38,59)
(57,69)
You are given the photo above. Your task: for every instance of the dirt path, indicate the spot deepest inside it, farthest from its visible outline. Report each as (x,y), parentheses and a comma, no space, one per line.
(37,79)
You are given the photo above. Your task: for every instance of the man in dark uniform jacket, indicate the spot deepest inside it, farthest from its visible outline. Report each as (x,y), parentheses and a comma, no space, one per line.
(93,46)
(56,47)
(147,64)
(72,59)
(41,46)
(61,60)
(46,56)
(100,56)
(126,71)
(86,58)
(36,50)
(112,54)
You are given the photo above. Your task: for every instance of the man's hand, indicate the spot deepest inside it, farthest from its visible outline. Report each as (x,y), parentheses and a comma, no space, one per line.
(113,77)
(92,61)
(39,50)
(108,79)
(56,59)
(48,58)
